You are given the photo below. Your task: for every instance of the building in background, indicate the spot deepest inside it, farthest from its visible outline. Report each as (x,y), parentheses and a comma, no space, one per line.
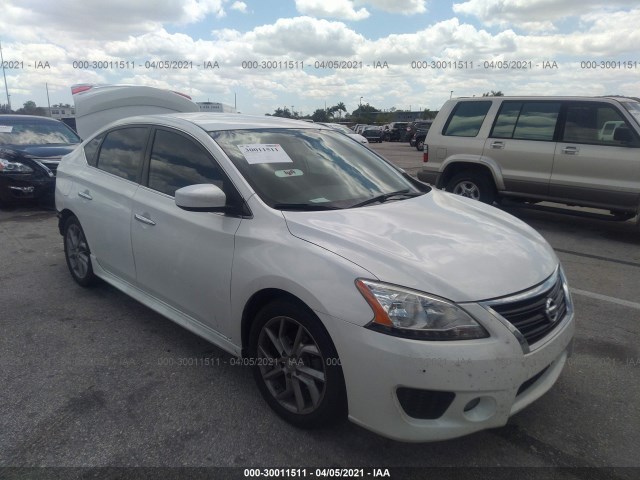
(215,107)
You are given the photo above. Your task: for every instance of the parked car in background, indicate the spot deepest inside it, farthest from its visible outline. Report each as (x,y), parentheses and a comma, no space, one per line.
(413,127)
(30,151)
(417,140)
(581,151)
(373,134)
(350,288)
(347,131)
(397,132)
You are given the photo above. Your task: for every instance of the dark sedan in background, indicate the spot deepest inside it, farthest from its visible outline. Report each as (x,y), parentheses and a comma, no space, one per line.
(373,135)
(30,150)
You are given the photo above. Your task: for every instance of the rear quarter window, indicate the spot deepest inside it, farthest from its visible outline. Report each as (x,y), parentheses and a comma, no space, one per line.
(122,151)
(91,150)
(466,119)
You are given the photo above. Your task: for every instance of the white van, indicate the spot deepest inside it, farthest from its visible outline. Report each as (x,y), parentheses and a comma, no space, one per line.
(99,105)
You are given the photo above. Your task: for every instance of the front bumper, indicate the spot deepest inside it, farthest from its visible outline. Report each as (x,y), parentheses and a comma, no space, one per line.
(490,379)
(15,188)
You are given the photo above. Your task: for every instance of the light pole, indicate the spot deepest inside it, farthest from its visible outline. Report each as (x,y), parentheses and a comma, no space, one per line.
(291,111)
(361,101)
(451,94)
(6,87)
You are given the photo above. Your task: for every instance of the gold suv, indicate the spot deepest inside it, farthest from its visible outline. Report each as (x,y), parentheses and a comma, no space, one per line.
(581,151)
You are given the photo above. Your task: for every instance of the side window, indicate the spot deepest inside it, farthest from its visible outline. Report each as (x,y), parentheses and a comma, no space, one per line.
(598,124)
(91,150)
(527,121)
(466,119)
(121,152)
(537,121)
(177,161)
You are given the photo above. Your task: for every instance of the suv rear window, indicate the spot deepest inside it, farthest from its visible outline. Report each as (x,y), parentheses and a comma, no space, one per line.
(466,119)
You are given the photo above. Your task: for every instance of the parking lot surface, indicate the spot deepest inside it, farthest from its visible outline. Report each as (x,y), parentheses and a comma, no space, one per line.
(92,378)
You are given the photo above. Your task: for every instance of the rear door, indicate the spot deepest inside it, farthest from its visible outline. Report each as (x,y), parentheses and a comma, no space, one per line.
(183,258)
(522,143)
(591,165)
(105,191)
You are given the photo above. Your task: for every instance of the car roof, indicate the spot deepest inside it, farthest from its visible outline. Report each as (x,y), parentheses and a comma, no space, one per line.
(27,119)
(542,97)
(210,121)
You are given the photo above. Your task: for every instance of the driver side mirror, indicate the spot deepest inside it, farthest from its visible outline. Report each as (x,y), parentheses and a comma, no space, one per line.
(623,135)
(201,198)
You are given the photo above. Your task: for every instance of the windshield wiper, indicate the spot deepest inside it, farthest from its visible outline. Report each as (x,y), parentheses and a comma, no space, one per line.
(303,206)
(386,196)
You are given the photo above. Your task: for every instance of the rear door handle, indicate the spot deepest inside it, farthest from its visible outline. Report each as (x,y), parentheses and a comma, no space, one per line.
(143,219)
(85,195)
(570,150)
(497,145)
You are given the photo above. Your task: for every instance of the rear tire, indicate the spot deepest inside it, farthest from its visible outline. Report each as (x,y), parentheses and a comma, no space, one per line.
(420,145)
(78,254)
(296,366)
(474,185)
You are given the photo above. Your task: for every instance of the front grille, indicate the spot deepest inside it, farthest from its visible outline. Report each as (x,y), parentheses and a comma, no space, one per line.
(424,404)
(530,315)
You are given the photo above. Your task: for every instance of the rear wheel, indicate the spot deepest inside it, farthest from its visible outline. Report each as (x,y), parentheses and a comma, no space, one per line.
(77,253)
(472,184)
(296,366)
(420,145)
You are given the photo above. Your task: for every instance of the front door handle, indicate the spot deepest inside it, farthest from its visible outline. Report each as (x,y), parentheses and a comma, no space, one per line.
(143,219)
(85,195)
(497,145)
(570,150)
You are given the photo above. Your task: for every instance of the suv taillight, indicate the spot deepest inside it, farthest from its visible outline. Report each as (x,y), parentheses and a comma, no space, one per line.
(425,155)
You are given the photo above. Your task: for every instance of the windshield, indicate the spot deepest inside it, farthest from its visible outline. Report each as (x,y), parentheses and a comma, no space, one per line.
(33,132)
(634,109)
(309,167)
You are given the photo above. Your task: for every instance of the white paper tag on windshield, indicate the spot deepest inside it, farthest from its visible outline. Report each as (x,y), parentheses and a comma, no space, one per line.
(264,153)
(6,128)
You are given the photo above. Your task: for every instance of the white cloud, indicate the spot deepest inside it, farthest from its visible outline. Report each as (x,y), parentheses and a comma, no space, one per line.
(341,9)
(534,14)
(405,7)
(306,36)
(99,19)
(239,6)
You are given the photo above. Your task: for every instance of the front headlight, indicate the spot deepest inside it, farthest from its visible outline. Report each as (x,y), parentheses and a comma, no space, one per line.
(7,166)
(411,314)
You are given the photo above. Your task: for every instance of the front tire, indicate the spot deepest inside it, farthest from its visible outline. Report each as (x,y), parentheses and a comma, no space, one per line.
(296,366)
(78,254)
(474,185)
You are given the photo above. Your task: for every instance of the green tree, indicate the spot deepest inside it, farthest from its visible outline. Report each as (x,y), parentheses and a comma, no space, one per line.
(493,93)
(339,108)
(279,112)
(320,115)
(30,108)
(428,114)
(364,114)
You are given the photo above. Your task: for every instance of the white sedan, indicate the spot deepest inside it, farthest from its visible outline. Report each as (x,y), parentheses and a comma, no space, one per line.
(348,287)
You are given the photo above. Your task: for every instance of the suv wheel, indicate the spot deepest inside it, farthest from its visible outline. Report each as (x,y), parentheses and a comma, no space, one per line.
(296,366)
(420,145)
(77,253)
(475,185)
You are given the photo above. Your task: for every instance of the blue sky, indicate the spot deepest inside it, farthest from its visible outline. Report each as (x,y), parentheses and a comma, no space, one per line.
(468,40)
